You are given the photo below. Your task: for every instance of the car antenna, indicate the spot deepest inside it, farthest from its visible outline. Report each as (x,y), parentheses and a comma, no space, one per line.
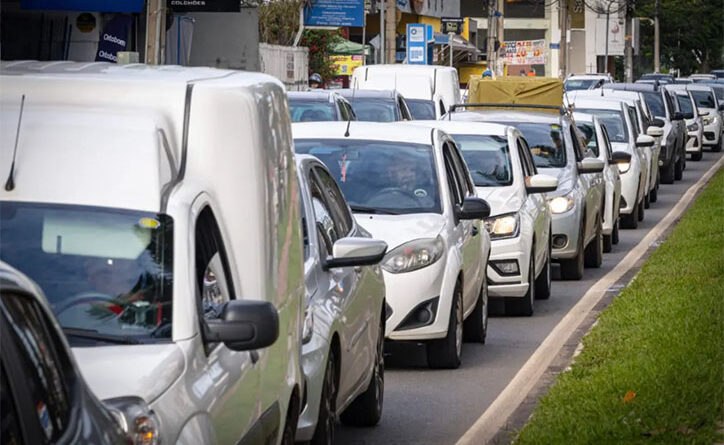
(349,116)
(10,183)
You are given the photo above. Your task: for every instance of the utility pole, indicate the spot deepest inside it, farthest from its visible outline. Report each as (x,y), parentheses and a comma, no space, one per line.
(391,31)
(155,32)
(628,47)
(563,57)
(490,57)
(657,60)
(500,37)
(382,31)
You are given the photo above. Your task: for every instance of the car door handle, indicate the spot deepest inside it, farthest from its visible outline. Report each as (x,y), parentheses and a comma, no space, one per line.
(475,230)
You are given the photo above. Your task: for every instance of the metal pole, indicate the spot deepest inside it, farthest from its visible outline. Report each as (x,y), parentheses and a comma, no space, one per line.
(657,61)
(564,38)
(382,31)
(364,35)
(450,45)
(155,31)
(500,37)
(605,58)
(628,45)
(490,57)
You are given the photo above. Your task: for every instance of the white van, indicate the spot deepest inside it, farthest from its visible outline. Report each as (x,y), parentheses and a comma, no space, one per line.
(157,207)
(429,90)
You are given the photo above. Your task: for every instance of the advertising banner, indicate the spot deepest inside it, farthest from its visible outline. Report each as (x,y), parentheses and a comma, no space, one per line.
(204,5)
(114,38)
(616,37)
(344,65)
(525,52)
(334,13)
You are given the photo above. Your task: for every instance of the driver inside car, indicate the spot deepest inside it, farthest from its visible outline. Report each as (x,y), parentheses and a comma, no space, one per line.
(404,186)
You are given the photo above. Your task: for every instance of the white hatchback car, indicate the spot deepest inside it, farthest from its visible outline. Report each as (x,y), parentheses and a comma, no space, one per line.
(411,188)
(344,322)
(504,174)
(707,101)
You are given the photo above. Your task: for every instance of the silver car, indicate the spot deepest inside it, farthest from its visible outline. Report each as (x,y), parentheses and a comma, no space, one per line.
(576,206)
(693,118)
(342,356)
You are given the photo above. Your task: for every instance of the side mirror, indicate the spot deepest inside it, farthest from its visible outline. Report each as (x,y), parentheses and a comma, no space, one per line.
(645,140)
(541,183)
(473,208)
(655,132)
(688,115)
(658,122)
(354,251)
(244,325)
(590,165)
(678,115)
(620,157)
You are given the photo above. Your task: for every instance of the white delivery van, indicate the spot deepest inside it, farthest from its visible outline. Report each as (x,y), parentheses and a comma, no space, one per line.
(157,207)
(427,88)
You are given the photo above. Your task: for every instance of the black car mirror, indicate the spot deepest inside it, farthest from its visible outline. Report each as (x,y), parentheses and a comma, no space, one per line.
(658,122)
(244,325)
(473,208)
(678,115)
(620,157)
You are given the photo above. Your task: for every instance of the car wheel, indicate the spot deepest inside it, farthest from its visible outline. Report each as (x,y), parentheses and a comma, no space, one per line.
(572,269)
(679,170)
(324,432)
(717,148)
(640,215)
(366,409)
(523,306)
(614,232)
(654,194)
(631,221)
(697,156)
(667,174)
(594,250)
(445,353)
(647,201)
(543,282)
(475,327)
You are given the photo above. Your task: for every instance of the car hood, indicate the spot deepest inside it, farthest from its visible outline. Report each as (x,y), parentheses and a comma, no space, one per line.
(566,179)
(145,371)
(500,199)
(399,229)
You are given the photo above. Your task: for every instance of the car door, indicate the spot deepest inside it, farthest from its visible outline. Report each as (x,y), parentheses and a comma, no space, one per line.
(466,232)
(535,205)
(334,221)
(229,380)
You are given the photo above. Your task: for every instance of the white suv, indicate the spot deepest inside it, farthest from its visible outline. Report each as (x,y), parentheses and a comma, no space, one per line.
(410,187)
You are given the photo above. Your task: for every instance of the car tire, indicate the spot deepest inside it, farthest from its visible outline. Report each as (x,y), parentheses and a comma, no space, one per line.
(647,201)
(614,232)
(640,215)
(366,409)
(717,148)
(594,250)
(607,243)
(697,156)
(631,221)
(654,194)
(572,269)
(667,174)
(324,431)
(290,424)
(445,353)
(543,281)
(679,170)
(475,327)
(523,306)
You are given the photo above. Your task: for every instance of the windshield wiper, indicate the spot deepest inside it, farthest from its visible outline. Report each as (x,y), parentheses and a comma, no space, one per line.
(92,334)
(365,209)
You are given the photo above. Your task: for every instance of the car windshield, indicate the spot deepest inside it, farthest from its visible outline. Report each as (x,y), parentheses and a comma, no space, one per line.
(545,141)
(579,84)
(375,110)
(613,120)
(303,110)
(379,176)
(104,271)
(488,159)
(719,91)
(589,135)
(685,104)
(704,99)
(421,109)
(655,103)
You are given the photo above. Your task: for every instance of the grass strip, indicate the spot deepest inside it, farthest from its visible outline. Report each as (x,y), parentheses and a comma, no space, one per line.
(652,369)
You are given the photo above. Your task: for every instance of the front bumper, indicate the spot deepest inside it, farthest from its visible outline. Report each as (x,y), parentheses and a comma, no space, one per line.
(693,143)
(712,133)
(500,285)
(569,225)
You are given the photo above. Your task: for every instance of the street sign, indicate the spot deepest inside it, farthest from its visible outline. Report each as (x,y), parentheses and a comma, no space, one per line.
(334,13)
(452,24)
(204,5)
(416,44)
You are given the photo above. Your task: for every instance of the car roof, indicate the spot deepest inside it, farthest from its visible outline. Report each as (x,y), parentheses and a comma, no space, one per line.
(505,116)
(601,103)
(359,130)
(589,76)
(397,67)
(643,87)
(315,95)
(698,87)
(349,93)
(462,127)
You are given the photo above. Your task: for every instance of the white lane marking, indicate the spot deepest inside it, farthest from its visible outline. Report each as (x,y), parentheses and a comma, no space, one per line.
(495,417)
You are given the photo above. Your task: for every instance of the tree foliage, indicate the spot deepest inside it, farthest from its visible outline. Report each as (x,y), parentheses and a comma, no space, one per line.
(692,34)
(319,44)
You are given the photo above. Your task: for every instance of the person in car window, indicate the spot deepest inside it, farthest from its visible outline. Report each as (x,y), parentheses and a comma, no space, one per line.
(403,187)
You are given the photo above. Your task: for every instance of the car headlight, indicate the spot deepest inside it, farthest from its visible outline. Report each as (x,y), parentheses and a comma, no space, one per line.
(693,127)
(308,328)
(137,420)
(503,226)
(413,255)
(706,120)
(561,204)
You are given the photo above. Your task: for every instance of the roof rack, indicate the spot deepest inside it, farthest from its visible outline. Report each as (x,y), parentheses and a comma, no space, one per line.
(561,110)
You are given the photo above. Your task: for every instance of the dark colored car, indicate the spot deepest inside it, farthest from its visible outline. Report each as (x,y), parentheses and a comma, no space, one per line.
(43,397)
(319,105)
(377,105)
(672,157)
(660,77)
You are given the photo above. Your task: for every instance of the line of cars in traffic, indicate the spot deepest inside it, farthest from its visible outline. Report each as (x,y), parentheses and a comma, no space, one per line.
(206,271)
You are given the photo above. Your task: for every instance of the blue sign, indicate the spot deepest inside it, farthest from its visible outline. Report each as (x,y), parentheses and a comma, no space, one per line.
(334,13)
(417,44)
(85,5)
(114,38)
(555,46)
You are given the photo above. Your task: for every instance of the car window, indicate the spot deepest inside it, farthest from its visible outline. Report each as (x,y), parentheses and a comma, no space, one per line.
(379,176)
(404,109)
(102,269)
(579,84)
(335,200)
(656,103)
(46,371)
(545,142)
(421,109)
(375,110)
(687,107)
(523,161)
(606,142)
(576,141)
(327,232)
(311,110)
(528,157)
(213,275)
(670,103)
(487,158)
(461,169)
(342,110)
(634,122)
(588,132)
(704,99)
(613,120)
(350,111)
(456,189)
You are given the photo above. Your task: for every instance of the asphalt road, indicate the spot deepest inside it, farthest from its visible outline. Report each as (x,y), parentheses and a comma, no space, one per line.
(424,406)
